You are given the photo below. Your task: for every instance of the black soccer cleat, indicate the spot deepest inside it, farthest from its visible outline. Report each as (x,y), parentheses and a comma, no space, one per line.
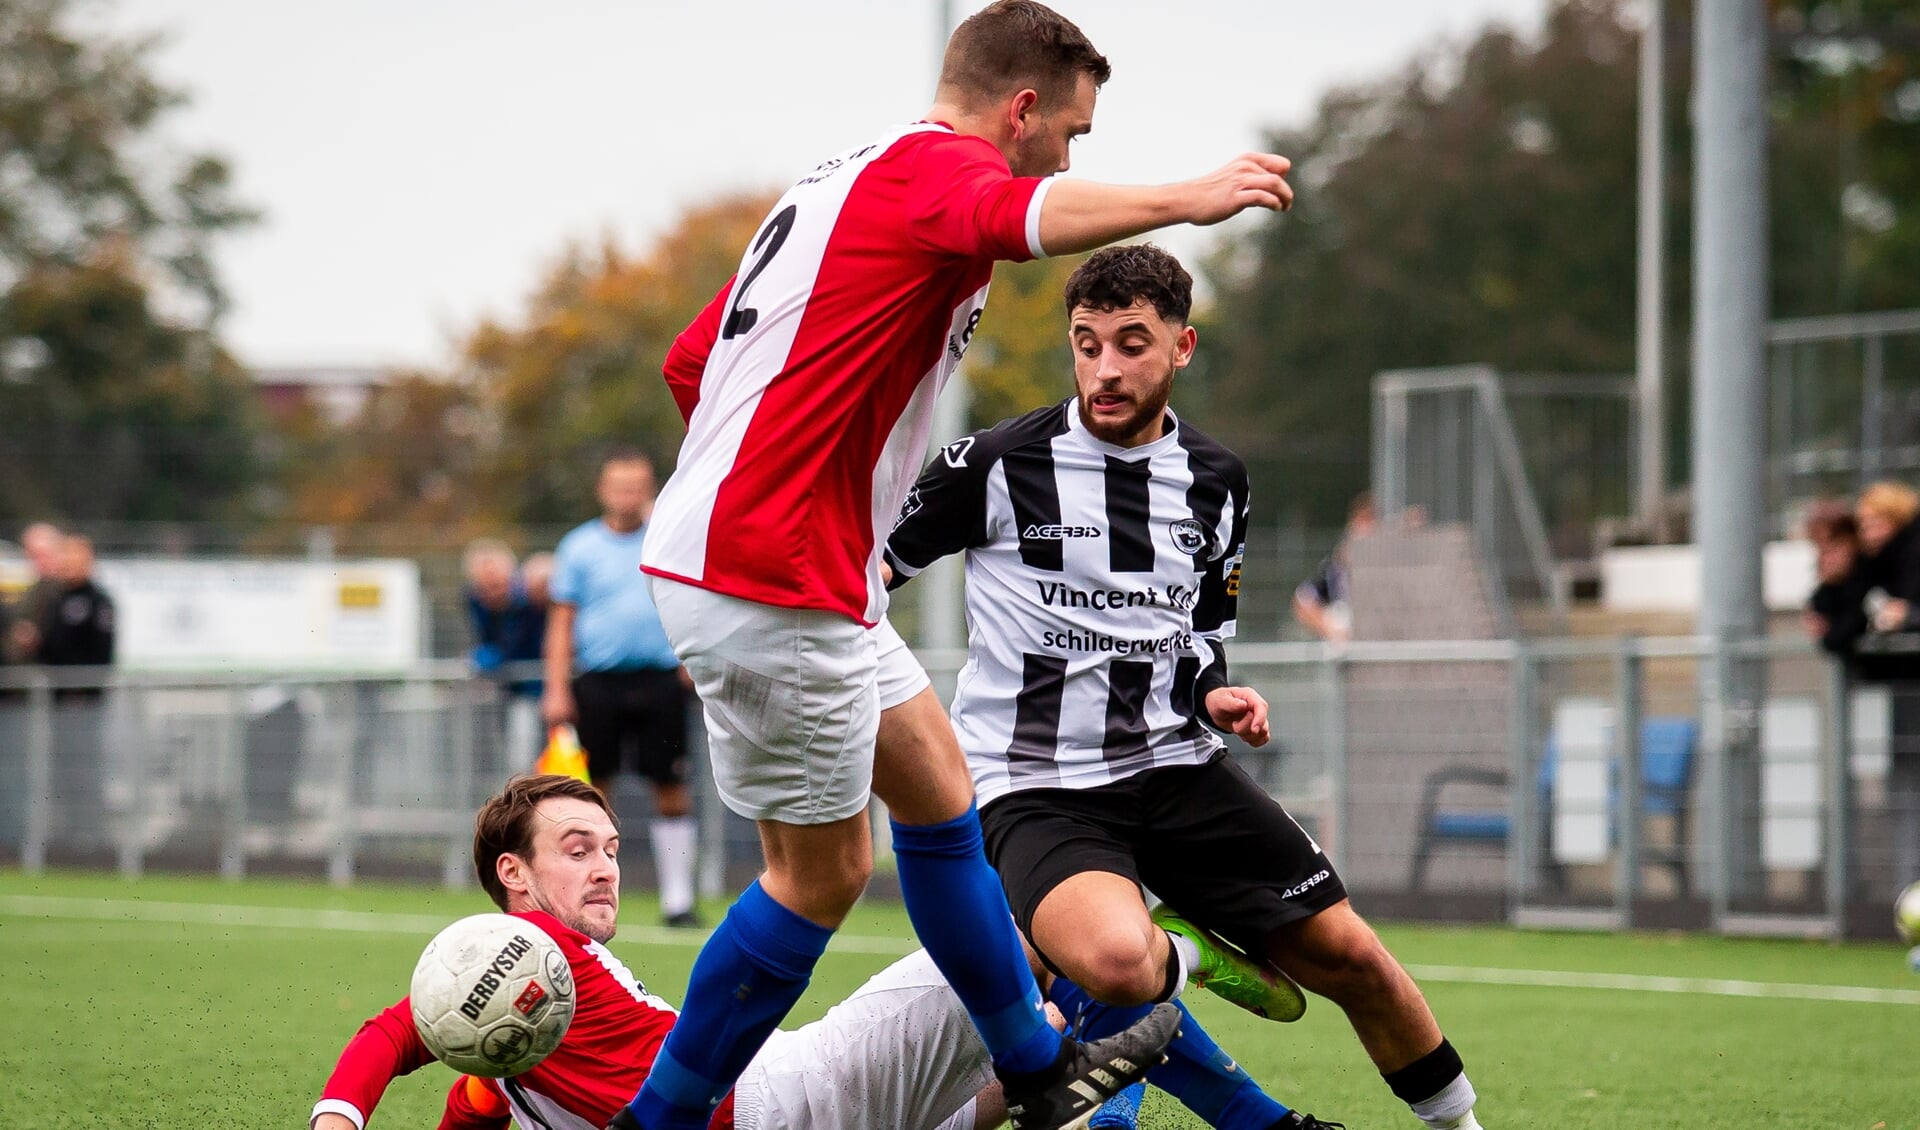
(1297,1121)
(1068,1095)
(623,1119)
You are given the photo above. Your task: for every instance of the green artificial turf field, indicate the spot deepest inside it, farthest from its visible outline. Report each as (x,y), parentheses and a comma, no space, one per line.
(196,1003)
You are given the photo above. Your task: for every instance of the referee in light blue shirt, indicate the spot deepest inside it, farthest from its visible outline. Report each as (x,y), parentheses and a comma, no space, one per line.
(611,673)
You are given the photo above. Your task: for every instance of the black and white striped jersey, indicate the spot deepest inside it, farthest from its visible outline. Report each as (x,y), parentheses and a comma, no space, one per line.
(1101,582)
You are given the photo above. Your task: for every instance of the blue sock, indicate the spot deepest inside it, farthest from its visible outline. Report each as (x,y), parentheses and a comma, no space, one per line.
(1122,1111)
(1204,1078)
(748,975)
(961,916)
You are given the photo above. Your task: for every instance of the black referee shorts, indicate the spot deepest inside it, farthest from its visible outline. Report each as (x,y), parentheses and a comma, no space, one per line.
(1205,838)
(636,718)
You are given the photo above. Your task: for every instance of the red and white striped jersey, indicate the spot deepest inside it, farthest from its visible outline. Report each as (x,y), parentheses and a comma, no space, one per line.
(616,1031)
(810,379)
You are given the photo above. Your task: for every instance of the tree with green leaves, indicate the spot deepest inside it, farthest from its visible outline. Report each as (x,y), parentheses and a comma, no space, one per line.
(1478,206)
(116,399)
(579,373)
(78,115)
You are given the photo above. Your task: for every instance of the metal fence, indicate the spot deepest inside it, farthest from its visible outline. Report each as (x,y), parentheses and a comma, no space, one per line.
(1593,783)
(1844,403)
(1529,463)
(1279,557)
(345,775)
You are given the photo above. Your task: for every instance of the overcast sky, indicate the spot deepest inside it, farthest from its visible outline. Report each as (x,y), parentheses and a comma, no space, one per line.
(421,161)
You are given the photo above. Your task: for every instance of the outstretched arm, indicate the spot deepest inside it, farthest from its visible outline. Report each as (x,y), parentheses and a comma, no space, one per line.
(386,1047)
(1081,215)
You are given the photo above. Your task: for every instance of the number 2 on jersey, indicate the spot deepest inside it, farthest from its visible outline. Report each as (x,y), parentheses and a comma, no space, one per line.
(766,245)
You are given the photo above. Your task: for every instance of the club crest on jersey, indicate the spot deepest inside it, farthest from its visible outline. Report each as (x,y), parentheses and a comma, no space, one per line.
(1189,536)
(955,453)
(909,508)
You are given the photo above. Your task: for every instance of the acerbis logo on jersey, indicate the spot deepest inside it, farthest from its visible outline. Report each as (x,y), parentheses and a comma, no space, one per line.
(1057,533)
(955,453)
(1312,881)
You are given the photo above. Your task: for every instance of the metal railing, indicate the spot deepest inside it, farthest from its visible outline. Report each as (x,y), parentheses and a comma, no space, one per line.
(1493,780)
(1528,462)
(1845,402)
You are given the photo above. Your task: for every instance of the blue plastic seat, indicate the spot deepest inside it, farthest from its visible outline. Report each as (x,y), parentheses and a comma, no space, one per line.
(1465,825)
(1667,747)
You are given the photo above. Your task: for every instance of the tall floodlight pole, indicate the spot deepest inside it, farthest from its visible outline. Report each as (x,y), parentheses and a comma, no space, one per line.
(1729,412)
(943,599)
(1650,340)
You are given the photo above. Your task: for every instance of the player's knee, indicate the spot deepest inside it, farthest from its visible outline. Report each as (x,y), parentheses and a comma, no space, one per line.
(1119,971)
(823,885)
(842,885)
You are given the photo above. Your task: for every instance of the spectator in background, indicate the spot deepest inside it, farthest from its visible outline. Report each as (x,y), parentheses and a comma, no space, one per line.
(1322,602)
(44,544)
(76,629)
(1890,542)
(509,624)
(1835,616)
(611,672)
(536,576)
(509,630)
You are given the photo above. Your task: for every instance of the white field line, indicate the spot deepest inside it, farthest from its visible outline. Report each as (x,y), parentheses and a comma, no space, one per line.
(423,925)
(1633,982)
(356,921)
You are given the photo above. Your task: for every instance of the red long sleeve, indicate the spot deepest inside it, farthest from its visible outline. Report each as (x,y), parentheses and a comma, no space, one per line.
(687,359)
(385,1048)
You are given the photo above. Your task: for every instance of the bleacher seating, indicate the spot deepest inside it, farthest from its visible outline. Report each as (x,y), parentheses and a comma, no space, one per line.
(1667,754)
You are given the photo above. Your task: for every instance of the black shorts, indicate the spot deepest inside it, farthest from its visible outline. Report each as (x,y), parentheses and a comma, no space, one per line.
(1205,838)
(633,718)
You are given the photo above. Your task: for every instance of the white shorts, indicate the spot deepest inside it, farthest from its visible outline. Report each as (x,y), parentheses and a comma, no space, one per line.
(790,701)
(899,1054)
(899,674)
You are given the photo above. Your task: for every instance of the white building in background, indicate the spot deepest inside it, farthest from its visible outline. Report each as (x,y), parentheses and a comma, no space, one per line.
(1666,578)
(340,391)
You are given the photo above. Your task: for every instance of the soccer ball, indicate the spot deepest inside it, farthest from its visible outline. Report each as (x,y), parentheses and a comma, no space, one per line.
(492,995)
(1906,914)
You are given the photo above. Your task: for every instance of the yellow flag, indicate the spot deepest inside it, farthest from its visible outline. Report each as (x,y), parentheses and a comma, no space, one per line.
(563,754)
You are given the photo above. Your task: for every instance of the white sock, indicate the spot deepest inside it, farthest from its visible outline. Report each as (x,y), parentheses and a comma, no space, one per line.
(1188,953)
(673,840)
(1452,1108)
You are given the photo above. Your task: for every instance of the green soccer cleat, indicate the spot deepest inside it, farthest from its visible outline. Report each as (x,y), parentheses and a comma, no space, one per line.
(1226,972)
